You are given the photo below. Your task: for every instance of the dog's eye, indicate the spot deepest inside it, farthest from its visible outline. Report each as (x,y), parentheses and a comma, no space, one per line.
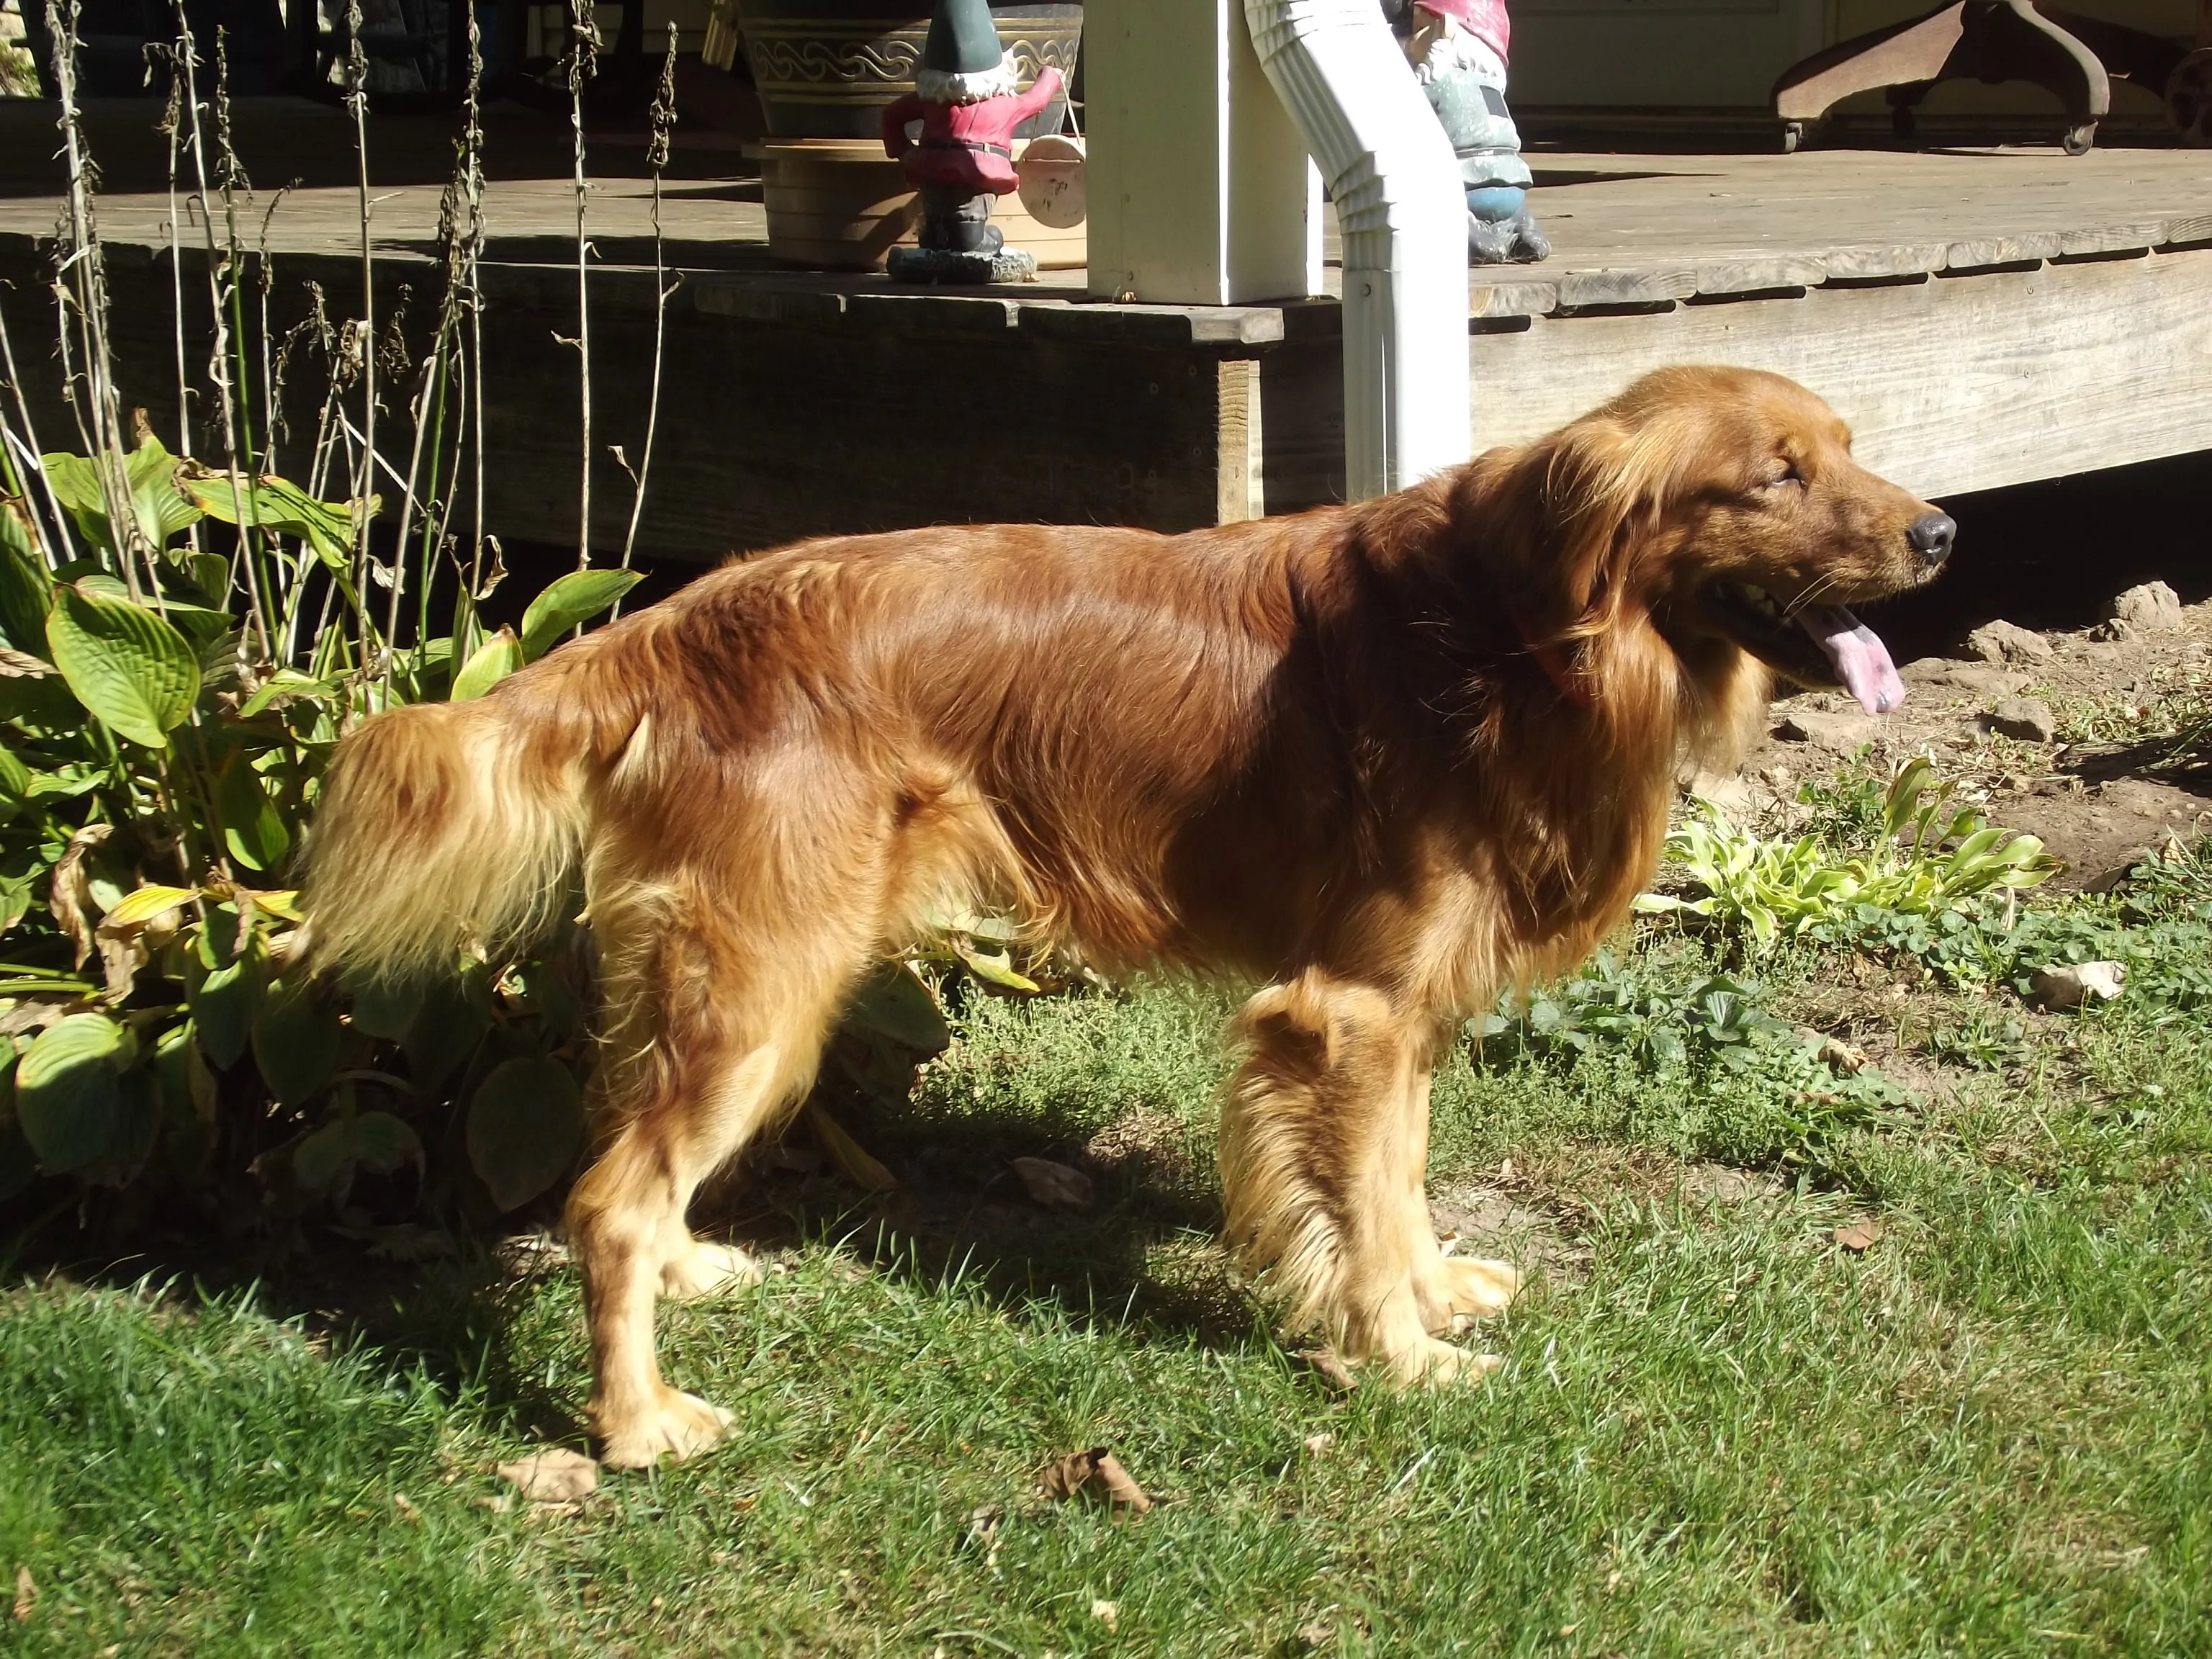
(1787,475)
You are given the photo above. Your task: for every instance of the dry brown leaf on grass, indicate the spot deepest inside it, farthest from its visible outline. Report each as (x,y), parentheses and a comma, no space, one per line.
(555,1475)
(26,1594)
(1098,1476)
(1055,1185)
(1860,1236)
(1842,1055)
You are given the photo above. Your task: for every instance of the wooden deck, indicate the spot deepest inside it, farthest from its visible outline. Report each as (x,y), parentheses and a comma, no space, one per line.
(1982,317)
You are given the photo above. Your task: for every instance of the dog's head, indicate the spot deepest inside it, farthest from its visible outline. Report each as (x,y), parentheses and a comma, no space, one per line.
(1723,505)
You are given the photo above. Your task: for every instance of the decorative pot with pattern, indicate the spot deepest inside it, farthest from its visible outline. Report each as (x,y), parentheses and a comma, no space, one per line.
(825,69)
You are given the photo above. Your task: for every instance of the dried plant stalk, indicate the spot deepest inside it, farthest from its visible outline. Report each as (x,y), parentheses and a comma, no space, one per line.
(80,296)
(583,64)
(656,156)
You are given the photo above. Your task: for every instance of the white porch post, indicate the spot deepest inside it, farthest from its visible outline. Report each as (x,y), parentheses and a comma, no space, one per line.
(1200,191)
(1403,220)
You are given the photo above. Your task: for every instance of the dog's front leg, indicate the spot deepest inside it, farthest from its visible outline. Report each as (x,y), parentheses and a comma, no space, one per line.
(1324,1143)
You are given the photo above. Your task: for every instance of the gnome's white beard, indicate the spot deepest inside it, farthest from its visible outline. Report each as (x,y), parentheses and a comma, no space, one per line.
(948,87)
(1442,47)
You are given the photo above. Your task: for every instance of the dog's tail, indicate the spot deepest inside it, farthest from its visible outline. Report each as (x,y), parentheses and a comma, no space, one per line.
(445,827)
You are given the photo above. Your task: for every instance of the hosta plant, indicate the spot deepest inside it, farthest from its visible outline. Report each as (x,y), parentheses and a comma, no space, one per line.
(1935,855)
(170,691)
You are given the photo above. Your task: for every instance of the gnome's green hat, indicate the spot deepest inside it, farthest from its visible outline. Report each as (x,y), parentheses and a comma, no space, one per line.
(962,39)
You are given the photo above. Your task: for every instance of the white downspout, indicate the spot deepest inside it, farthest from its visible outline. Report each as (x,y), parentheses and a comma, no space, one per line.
(1402,212)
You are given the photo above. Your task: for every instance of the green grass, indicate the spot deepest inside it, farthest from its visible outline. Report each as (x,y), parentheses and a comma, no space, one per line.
(1719,1433)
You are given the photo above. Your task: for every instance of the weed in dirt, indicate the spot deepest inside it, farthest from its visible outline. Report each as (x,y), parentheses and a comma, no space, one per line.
(1845,809)
(1987,1041)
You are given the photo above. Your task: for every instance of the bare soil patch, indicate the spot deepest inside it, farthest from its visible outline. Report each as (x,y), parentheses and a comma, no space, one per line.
(2102,786)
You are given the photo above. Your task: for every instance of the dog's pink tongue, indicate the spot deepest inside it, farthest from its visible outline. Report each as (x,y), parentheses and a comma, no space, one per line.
(1860,661)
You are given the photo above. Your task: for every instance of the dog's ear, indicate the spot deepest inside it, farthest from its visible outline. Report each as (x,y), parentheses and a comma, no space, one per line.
(1590,497)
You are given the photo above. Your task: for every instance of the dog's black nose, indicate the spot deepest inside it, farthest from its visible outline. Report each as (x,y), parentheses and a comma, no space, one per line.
(1931,535)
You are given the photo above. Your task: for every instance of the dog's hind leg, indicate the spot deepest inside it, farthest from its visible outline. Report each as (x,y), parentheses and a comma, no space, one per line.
(707,1044)
(1324,1141)
(1452,1292)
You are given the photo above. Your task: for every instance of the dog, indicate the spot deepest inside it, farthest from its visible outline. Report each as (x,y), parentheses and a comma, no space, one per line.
(1387,758)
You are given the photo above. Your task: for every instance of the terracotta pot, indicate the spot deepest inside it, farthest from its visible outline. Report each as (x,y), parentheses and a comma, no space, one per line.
(825,68)
(841,204)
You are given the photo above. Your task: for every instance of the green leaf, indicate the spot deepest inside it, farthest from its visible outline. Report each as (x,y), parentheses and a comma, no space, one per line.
(252,826)
(326,527)
(383,1010)
(295,1041)
(376,1141)
(284,683)
(27,591)
(222,991)
(1904,795)
(126,665)
(494,659)
(68,1096)
(893,1002)
(14,784)
(526,1128)
(142,904)
(76,483)
(445,1032)
(853,1160)
(162,508)
(997,968)
(575,598)
(211,576)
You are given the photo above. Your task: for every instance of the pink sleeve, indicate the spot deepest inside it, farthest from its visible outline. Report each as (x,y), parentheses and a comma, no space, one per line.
(1046,89)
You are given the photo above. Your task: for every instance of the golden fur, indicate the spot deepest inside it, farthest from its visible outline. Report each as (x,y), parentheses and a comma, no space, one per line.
(1389,758)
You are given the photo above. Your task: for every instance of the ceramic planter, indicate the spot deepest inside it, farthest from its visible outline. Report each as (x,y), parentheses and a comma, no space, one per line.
(825,69)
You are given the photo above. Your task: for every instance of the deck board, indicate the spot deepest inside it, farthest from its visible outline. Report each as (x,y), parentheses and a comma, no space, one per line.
(1982,317)
(1641,226)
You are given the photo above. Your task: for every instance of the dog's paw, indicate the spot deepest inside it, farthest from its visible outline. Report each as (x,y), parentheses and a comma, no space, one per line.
(704,1270)
(680,1425)
(1436,1365)
(1466,1288)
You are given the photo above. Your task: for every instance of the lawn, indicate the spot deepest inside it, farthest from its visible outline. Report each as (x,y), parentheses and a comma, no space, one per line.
(1719,1431)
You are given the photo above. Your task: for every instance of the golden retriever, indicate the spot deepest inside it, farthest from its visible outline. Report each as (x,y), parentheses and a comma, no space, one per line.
(1388,757)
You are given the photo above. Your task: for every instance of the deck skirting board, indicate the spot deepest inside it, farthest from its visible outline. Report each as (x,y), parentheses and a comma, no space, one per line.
(1972,383)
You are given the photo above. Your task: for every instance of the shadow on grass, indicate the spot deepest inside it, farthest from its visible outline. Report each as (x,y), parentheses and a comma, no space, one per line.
(1142,1256)
(1142,1253)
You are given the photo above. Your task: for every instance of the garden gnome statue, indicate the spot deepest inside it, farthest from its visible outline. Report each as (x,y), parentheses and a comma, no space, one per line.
(964,96)
(1458,49)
